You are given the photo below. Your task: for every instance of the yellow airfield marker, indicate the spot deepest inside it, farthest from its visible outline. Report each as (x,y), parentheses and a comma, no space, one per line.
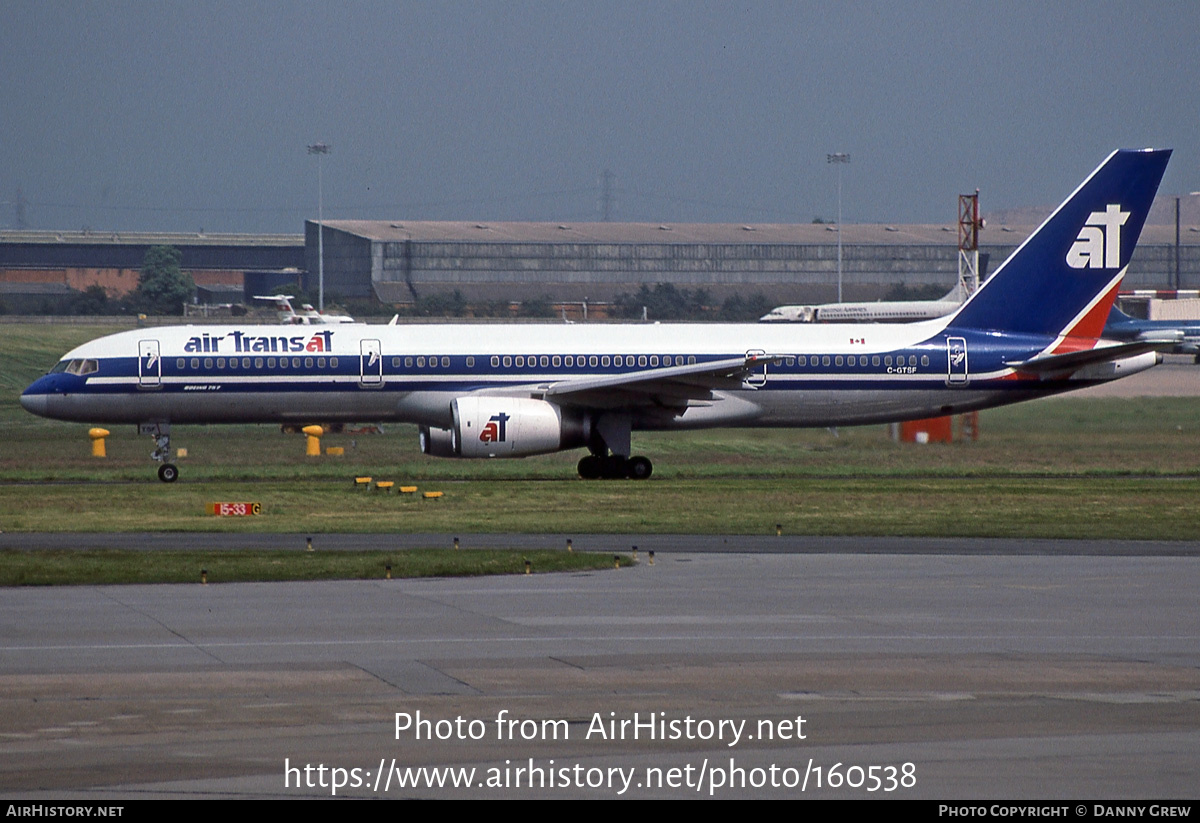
(98,436)
(313,441)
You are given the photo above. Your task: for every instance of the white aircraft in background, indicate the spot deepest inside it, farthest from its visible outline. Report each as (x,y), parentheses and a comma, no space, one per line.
(881,311)
(307,316)
(1033,329)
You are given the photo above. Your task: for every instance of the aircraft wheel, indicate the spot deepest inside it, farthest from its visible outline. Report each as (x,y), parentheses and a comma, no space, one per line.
(614,467)
(639,468)
(168,472)
(590,467)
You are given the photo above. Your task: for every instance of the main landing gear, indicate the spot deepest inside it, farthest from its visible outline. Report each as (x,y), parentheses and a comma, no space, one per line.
(168,472)
(610,433)
(595,467)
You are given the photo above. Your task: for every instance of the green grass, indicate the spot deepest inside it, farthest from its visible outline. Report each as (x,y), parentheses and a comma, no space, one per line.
(106,567)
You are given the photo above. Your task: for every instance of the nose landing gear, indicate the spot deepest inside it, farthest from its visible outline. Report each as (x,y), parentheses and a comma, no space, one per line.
(168,472)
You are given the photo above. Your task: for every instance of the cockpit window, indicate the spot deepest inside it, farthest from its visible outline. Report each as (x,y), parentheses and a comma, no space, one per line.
(79,367)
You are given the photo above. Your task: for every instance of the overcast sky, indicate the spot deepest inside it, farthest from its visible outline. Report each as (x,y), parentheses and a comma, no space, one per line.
(182,116)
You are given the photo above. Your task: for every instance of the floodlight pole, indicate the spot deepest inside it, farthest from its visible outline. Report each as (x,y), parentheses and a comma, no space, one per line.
(839,159)
(320,149)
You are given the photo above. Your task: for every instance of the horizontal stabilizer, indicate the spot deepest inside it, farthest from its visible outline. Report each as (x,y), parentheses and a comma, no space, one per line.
(1077,359)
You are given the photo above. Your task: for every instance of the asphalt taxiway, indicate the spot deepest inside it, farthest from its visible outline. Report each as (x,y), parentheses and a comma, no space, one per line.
(1068,673)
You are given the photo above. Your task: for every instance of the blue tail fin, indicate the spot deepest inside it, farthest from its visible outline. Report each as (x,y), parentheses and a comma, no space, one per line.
(1063,279)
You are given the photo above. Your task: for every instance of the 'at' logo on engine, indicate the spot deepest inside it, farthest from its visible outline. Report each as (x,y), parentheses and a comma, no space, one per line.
(496,430)
(1098,245)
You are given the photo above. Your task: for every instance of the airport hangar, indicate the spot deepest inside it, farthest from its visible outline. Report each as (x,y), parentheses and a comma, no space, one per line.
(400,261)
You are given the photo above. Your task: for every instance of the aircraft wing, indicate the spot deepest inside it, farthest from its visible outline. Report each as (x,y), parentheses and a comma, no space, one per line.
(670,386)
(1078,359)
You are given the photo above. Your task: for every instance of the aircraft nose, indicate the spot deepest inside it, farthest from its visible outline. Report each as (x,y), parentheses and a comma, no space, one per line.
(34,403)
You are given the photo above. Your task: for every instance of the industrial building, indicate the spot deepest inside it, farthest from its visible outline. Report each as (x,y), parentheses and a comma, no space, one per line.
(36,266)
(401,261)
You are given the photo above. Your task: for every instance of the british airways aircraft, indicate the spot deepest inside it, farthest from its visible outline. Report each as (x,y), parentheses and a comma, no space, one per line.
(477,391)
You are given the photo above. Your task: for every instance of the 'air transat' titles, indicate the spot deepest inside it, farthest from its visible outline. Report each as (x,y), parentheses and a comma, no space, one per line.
(240,342)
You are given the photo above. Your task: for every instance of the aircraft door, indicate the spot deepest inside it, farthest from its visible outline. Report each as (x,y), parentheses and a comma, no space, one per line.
(149,365)
(370,361)
(956,351)
(758,377)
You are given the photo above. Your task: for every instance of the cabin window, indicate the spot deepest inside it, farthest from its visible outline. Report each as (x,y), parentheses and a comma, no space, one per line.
(470,362)
(320,362)
(569,360)
(874,360)
(620,361)
(604,360)
(395,362)
(270,362)
(641,360)
(333,362)
(887,361)
(654,360)
(557,361)
(507,361)
(593,360)
(245,362)
(308,362)
(912,360)
(495,360)
(420,362)
(208,363)
(221,362)
(445,362)
(802,360)
(825,360)
(789,361)
(258,362)
(520,360)
(178,364)
(837,361)
(691,359)
(543,361)
(924,360)
(195,362)
(851,361)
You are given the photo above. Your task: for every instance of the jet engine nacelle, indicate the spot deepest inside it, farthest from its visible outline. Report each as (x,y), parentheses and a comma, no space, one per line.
(504,427)
(438,442)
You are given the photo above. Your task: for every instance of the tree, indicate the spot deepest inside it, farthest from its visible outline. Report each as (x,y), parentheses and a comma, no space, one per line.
(164,287)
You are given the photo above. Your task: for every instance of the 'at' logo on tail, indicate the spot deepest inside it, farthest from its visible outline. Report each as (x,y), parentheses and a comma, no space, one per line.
(1098,245)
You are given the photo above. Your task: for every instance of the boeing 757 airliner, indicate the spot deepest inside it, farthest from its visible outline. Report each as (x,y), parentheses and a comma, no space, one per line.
(509,391)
